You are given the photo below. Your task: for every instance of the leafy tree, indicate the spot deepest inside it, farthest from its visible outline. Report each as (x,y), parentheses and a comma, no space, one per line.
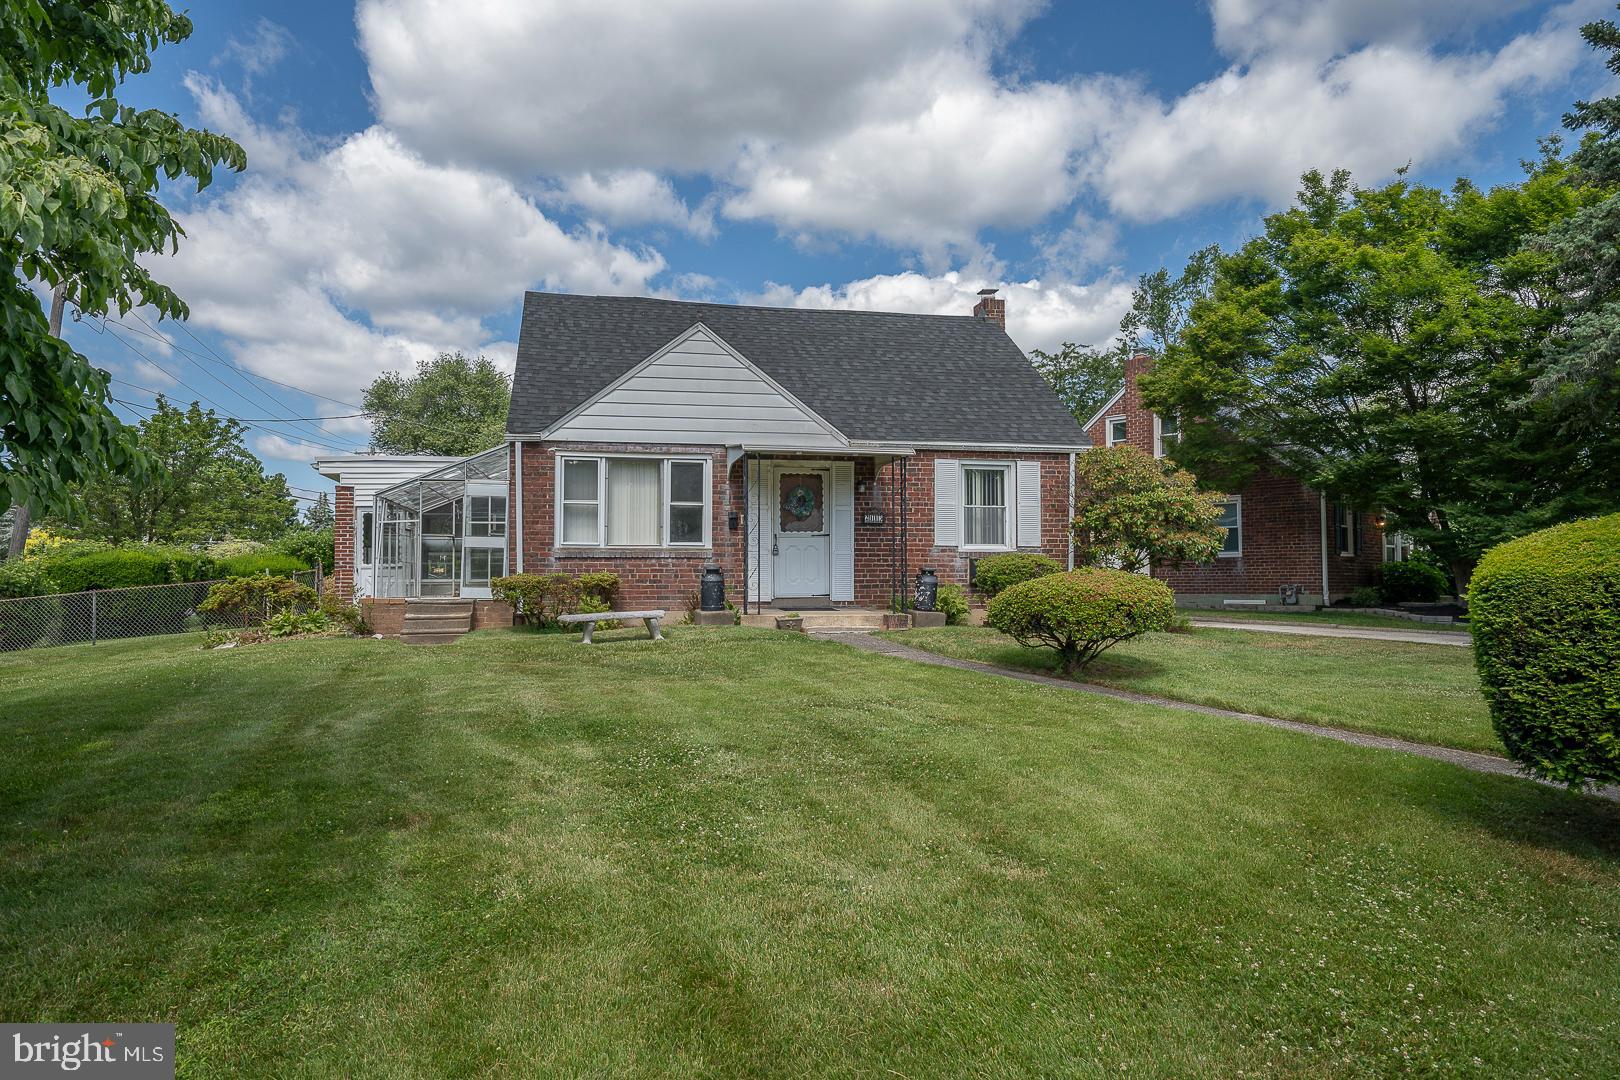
(453,405)
(1081,376)
(77,207)
(320,515)
(1581,370)
(203,483)
(1133,511)
(1376,343)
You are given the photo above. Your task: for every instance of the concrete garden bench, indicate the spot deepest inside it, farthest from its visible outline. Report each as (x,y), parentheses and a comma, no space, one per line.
(591,619)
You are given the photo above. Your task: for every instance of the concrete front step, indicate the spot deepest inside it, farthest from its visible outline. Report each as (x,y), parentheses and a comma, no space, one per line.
(437,622)
(842,620)
(436,638)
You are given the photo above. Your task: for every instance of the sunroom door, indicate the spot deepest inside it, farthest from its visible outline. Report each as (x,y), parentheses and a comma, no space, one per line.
(483,543)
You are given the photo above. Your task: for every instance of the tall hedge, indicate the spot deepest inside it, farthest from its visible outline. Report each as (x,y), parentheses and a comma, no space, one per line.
(1545,612)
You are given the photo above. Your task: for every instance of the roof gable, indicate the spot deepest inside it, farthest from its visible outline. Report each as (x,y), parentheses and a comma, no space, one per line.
(696,389)
(873,376)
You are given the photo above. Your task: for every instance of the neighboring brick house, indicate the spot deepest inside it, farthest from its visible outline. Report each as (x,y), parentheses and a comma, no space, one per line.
(1282,535)
(818,457)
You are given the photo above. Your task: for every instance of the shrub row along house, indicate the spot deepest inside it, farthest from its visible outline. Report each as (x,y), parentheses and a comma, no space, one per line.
(818,457)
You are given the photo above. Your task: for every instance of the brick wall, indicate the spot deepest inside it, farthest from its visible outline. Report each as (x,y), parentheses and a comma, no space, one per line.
(658,577)
(343,542)
(1282,528)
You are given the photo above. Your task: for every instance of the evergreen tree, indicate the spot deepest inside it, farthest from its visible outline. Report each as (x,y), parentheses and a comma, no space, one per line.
(319,515)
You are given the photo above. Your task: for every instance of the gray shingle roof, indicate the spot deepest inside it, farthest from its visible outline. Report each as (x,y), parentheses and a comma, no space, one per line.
(875,376)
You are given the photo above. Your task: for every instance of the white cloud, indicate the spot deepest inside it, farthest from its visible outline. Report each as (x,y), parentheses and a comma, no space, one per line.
(265,46)
(1247,28)
(634,197)
(645,85)
(274,446)
(335,263)
(1251,131)
(1040,314)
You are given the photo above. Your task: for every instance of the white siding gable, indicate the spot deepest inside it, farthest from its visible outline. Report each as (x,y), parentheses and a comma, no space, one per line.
(697,390)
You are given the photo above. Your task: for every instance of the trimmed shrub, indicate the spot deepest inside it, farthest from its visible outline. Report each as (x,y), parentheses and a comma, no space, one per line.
(309,546)
(1083,612)
(994,573)
(601,586)
(260,562)
(953,602)
(249,600)
(1366,596)
(1545,613)
(118,568)
(1411,582)
(537,599)
(230,549)
(23,577)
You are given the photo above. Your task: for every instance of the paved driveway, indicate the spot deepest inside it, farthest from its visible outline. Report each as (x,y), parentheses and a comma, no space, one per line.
(1371,633)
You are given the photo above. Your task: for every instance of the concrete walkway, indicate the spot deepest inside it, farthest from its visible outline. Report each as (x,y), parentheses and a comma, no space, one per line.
(1369,633)
(1467,759)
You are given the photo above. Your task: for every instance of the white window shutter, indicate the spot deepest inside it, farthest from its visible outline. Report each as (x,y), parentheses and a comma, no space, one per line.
(947,503)
(843,530)
(1029,504)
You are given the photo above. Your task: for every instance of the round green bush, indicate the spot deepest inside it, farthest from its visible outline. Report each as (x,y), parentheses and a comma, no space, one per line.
(994,573)
(260,562)
(1412,581)
(1545,612)
(1083,612)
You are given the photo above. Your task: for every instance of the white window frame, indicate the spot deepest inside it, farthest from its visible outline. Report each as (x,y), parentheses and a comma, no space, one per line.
(1108,430)
(1348,530)
(364,519)
(1236,501)
(1158,435)
(602,461)
(492,522)
(1400,544)
(1009,497)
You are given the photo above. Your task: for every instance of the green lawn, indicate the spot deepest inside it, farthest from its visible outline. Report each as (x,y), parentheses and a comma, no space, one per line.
(1331,618)
(1426,693)
(750,853)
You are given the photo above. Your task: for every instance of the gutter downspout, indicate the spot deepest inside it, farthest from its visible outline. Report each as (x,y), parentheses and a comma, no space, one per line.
(1068,528)
(1322,497)
(517,469)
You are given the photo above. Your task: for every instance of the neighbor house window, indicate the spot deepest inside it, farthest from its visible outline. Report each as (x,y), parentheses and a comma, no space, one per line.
(984,506)
(1116,430)
(1166,432)
(1397,547)
(1231,520)
(634,501)
(1346,529)
(365,538)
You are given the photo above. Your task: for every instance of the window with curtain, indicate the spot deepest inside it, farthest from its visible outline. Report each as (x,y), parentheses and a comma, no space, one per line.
(984,506)
(1231,520)
(1116,430)
(630,510)
(365,538)
(634,502)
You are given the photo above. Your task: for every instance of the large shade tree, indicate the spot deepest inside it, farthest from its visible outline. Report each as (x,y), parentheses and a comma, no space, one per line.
(453,404)
(78,207)
(203,483)
(1380,343)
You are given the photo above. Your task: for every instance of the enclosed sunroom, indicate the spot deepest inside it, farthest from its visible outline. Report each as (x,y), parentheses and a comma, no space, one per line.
(444,533)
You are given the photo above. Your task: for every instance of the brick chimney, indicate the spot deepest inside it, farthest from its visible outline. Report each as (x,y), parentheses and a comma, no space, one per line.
(989,307)
(1139,362)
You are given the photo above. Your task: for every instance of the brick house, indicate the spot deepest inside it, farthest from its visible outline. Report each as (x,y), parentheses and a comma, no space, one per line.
(820,458)
(1282,537)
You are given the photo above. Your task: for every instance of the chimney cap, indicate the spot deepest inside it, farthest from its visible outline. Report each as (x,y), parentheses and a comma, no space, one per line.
(988,292)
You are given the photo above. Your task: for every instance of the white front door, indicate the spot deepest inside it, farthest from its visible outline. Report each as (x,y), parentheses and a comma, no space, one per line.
(803,533)
(483,541)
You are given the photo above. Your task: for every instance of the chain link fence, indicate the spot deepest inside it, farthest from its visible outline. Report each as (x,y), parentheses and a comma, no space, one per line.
(36,622)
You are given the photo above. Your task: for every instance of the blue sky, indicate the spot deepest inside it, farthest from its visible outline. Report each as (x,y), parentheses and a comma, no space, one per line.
(415,165)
